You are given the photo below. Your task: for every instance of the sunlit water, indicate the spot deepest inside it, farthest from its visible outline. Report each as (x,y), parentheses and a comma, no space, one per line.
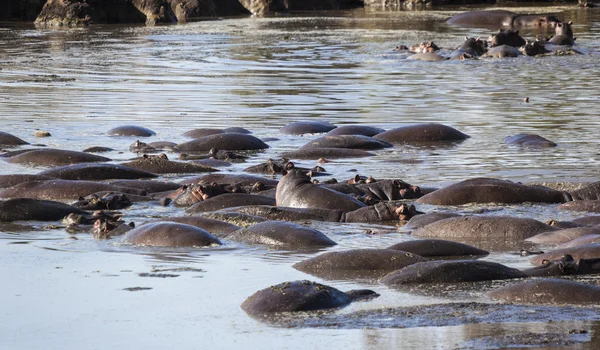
(61,291)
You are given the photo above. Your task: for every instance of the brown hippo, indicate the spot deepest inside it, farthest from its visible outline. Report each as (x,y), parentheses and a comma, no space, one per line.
(381,190)
(347,141)
(216,227)
(323,152)
(25,209)
(225,141)
(592,206)
(501,18)
(507,37)
(170,234)
(54,157)
(111,201)
(281,234)
(472,47)
(565,266)
(430,132)
(534,48)
(438,248)
(357,263)
(149,186)
(131,130)
(162,165)
(579,241)
(307,127)
(299,296)
(241,179)
(7,181)
(529,140)
(587,251)
(454,271)
(487,190)
(548,291)
(229,200)
(564,235)
(198,133)
(96,171)
(61,189)
(355,130)
(98,149)
(141,147)
(297,191)
(426,219)
(503,51)
(484,227)
(9,140)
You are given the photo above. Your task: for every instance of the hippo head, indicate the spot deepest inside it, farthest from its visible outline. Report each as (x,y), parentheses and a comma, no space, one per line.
(544,21)
(423,47)
(507,37)
(406,212)
(533,48)
(475,44)
(564,28)
(407,191)
(104,228)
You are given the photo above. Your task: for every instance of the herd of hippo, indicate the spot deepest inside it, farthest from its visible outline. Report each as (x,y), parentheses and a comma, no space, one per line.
(88,192)
(506,42)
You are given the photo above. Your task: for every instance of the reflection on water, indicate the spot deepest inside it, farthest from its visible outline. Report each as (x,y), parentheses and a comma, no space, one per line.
(261,73)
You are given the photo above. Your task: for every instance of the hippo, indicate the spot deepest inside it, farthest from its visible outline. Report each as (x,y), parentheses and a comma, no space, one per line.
(225,141)
(188,195)
(108,202)
(590,220)
(213,163)
(587,251)
(216,227)
(507,37)
(529,140)
(355,130)
(61,189)
(98,149)
(426,46)
(472,47)
(149,186)
(503,51)
(592,206)
(237,130)
(241,179)
(307,127)
(298,296)
(381,190)
(131,130)
(170,234)
(54,157)
(548,291)
(238,219)
(563,34)
(488,190)
(589,192)
(533,48)
(484,227)
(7,181)
(430,132)
(454,271)
(438,248)
(270,167)
(141,147)
(564,235)
(9,140)
(501,18)
(281,234)
(105,229)
(347,141)
(25,209)
(426,219)
(289,214)
(296,190)
(566,266)
(229,200)
(327,152)
(579,241)
(96,171)
(427,56)
(382,212)
(357,263)
(198,133)
(162,165)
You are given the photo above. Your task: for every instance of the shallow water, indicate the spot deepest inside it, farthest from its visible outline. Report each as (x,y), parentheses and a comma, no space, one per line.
(261,73)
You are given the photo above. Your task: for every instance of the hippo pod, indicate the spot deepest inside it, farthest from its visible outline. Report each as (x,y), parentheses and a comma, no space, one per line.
(297,191)
(162,165)
(487,190)
(300,296)
(9,140)
(501,18)
(170,234)
(454,271)
(357,263)
(25,209)
(281,234)
(548,291)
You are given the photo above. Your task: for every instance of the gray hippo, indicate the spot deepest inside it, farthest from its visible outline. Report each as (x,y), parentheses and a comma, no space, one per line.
(307,127)
(327,152)
(488,190)
(54,157)
(355,130)
(225,141)
(426,219)
(454,271)
(534,48)
(62,189)
(347,141)
(281,234)
(507,37)
(529,140)
(162,165)
(298,296)
(548,291)
(9,140)
(131,130)
(430,132)
(297,191)
(564,235)
(587,251)
(380,190)
(7,181)
(216,227)
(198,133)
(241,179)
(579,241)
(472,47)
(503,51)
(229,200)
(592,206)
(25,209)
(502,228)
(357,263)
(563,34)
(96,171)
(565,266)
(149,186)
(170,234)
(438,248)
(502,18)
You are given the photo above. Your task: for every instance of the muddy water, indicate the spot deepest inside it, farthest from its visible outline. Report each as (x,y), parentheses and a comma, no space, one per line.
(62,291)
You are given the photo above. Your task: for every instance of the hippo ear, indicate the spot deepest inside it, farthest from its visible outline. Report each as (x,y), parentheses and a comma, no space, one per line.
(289,166)
(570,23)
(466,38)
(356,178)
(163,156)
(283,172)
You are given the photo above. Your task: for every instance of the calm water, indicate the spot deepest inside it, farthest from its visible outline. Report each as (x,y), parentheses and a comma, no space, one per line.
(262,73)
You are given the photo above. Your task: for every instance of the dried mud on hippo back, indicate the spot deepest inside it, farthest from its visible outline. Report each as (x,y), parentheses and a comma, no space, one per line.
(162,165)
(226,141)
(548,291)
(62,189)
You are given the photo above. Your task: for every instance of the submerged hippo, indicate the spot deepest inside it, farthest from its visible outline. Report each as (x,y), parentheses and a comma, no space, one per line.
(24,209)
(347,141)
(216,227)
(299,296)
(170,234)
(427,56)
(355,130)
(9,140)
(429,218)
(307,127)
(282,235)
(565,266)
(529,140)
(327,152)
(229,200)
(62,189)
(357,263)
(453,271)
(225,141)
(472,47)
(502,18)
(297,191)
(548,291)
(587,251)
(96,171)
(131,130)
(430,132)
(54,157)
(7,181)
(507,37)
(162,165)
(503,51)
(564,235)
(438,248)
